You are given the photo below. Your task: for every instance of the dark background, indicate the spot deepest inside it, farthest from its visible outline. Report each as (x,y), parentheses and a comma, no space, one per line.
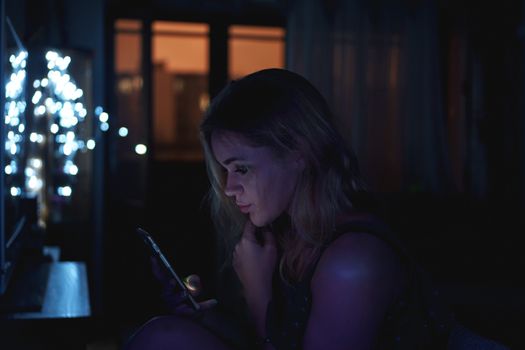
(468,241)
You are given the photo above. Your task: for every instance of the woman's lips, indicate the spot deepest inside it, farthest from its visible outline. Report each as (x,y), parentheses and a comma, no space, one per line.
(244,208)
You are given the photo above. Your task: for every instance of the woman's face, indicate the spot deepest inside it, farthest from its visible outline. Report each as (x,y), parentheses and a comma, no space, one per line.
(261,184)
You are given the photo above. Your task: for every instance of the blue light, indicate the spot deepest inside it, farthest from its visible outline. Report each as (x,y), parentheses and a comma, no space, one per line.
(141,149)
(57,97)
(90,144)
(64,191)
(103,117)
(14,119)
(16,191)
(36,97)
(123,132)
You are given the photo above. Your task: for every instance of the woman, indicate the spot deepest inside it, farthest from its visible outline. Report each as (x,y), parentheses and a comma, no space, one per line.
(316,270)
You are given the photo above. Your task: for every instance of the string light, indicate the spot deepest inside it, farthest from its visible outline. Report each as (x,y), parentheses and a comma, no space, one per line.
(90,144)
(141,149)
(64,191)
(57,110)
(103,117)
(123,132)
(59,99)
(14,120)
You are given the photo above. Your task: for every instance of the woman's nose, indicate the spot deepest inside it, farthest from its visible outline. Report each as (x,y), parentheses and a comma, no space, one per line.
(232,187)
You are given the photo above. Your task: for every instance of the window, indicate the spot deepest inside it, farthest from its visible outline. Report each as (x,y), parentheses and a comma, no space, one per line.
(180,88)
(253,48)
(130,109)
(179,81)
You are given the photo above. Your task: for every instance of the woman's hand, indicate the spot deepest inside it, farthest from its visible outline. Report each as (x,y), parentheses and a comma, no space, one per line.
(254,264)
(175,299)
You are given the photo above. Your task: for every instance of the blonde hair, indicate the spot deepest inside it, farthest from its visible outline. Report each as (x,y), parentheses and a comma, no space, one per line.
(279,109)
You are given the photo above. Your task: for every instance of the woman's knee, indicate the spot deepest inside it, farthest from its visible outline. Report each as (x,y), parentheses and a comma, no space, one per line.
(169,332)
(159,332)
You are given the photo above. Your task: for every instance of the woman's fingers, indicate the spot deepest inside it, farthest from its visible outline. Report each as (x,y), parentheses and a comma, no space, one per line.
(174,300)
(157,269)
(169,284)
(249,232)
(184,310)
(187,310)
(260,235)
(208,304)
(269,239)
(174,297)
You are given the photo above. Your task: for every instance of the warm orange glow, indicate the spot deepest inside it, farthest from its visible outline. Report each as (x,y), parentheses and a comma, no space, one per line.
(254,48)
(127,52)
(128,24)
(180,53)
(180,27)
(257,31)
(180,57)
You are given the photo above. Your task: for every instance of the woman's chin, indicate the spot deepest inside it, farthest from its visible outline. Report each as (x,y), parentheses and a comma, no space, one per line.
(259,221)
(256,220)
(256,223)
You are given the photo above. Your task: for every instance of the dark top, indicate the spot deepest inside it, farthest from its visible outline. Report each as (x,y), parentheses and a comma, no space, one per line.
(417,320)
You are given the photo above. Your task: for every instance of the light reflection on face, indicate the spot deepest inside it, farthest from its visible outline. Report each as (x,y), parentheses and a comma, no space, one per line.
(261,184)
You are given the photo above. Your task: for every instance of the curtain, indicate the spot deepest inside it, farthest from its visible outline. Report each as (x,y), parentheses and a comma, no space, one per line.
(378,65)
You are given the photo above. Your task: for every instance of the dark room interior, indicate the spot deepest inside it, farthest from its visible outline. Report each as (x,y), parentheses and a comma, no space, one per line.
(428,93)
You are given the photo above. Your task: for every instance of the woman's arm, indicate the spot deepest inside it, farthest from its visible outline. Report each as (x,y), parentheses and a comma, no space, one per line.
(254,264)
(354,283)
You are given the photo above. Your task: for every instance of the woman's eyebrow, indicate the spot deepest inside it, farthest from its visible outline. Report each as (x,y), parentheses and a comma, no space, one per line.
(231,159)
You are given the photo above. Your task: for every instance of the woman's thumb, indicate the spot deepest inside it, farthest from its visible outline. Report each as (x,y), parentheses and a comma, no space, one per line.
(193,283)
(269,238)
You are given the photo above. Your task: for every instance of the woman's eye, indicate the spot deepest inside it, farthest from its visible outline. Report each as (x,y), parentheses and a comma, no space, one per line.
(241,169)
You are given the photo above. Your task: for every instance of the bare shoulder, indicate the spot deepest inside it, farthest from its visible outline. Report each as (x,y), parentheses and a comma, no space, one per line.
(355,282)
(356,257)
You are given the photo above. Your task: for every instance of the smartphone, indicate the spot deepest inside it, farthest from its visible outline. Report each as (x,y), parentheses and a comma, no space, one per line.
(154,248)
